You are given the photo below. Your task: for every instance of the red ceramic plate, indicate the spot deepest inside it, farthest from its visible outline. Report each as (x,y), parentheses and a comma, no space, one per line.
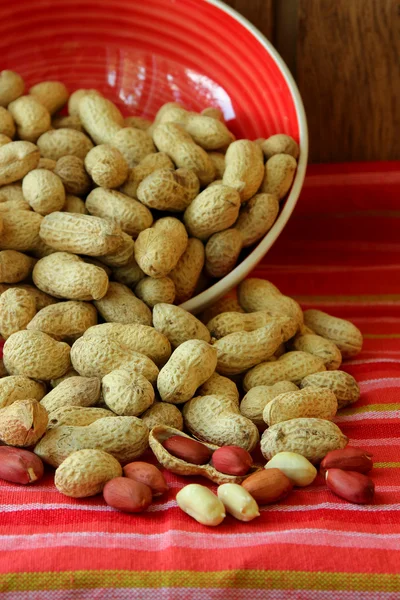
(141,54)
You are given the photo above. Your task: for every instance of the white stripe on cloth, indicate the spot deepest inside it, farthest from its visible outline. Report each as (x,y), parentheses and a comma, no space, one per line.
(375,319)
(186,593)
(367,352)
(28,488)
(376,442)
(369,361)
(379,383)
(51,488)
(9,508)
(197,540)
(332,269)
(364,416)
(322,488)
(179,485)
(60,506)
(331,506)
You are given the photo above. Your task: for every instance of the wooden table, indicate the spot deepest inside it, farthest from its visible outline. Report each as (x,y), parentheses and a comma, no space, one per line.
(345,56)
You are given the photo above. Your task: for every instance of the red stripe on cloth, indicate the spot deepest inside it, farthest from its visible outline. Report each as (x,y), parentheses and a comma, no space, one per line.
(287,556)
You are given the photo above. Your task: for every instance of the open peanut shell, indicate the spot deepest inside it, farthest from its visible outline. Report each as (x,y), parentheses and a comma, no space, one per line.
(157,437)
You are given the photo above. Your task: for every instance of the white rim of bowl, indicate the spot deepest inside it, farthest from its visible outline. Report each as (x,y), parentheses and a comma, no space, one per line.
(227,283)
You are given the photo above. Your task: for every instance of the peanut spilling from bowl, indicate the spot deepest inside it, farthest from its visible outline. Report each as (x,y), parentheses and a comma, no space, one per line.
(224,192)
(114,219)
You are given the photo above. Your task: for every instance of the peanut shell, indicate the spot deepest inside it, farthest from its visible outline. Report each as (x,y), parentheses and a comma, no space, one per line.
(190,365)
(321,347)
(178,325)
(73,391)
(85,472)
(293,366)
(66,275)
(188,269)
(120,305)
(214,209)
(15,266)
(36,355)
(244,168)
(64,320)
(163,413)
(92,357)
(256,399)
(77,416)
(126,393)
(238,352)
(155,291)
(347,337)
(312,438)
(16,160)
(125,438)
(57,143)
(157,437)
(136,337)
(17,308)
(343,385)
(312,402)
(19,387)
(217,420)
(22,423)
(159,248)
(80,234)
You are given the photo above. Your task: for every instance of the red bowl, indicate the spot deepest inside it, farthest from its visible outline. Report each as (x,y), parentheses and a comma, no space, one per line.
(141,54)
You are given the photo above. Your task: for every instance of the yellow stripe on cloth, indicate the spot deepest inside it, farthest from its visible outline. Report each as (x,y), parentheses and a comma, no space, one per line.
(251,579)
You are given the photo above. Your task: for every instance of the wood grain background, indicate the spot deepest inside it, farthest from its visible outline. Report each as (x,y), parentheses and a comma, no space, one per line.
(345,56)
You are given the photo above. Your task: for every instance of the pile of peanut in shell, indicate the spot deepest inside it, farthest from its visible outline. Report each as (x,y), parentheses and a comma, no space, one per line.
(99,364)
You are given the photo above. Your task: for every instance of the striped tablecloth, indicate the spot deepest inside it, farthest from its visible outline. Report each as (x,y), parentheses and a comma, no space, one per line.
(340,252)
